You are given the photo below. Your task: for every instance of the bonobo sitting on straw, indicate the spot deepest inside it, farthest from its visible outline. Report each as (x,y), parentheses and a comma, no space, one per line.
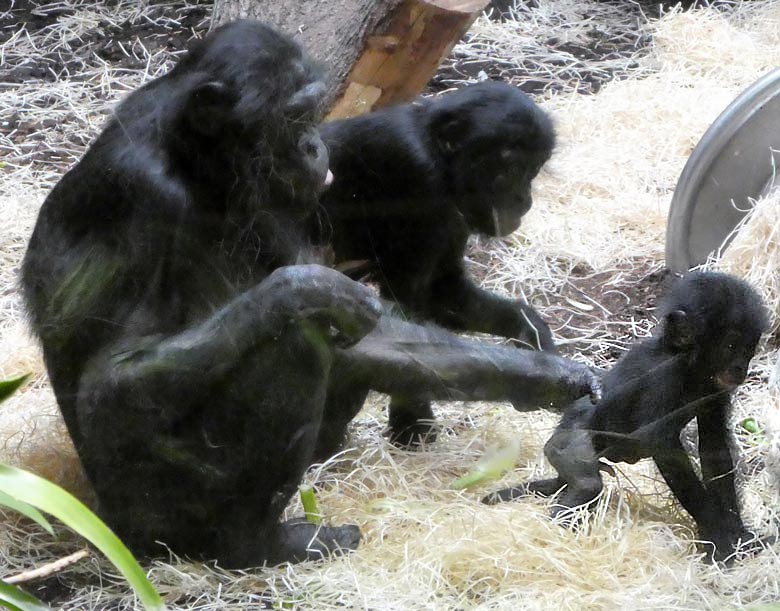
(412,182)
(198,368)
(709,330)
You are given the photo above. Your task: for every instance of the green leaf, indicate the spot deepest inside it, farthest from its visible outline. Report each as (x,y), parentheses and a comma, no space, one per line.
(8,387)
(491,466)
(309,501)
(16,599)
(25,509)
(751,426)
(46,496)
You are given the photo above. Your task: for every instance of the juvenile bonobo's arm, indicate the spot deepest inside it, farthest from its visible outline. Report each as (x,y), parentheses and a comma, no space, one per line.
(399,358)
(151,371)
(458,303)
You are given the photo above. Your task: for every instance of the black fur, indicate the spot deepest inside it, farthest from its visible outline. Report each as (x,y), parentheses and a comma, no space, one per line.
(411,184)
(190,356)
(710,326)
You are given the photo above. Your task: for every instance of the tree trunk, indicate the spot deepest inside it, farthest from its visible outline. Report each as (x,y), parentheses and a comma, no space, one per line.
(375,52)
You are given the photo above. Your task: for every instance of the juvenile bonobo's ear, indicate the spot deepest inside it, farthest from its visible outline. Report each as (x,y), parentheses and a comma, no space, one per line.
(678,330)
(208,107)
(449,130)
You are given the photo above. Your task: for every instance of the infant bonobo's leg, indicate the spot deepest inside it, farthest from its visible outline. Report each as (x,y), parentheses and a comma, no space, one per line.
(541,487)
(571,452)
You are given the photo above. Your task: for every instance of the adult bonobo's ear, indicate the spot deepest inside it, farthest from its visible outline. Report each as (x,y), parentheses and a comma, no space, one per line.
(678,331)
(208,107)
(304,103)
(449,129)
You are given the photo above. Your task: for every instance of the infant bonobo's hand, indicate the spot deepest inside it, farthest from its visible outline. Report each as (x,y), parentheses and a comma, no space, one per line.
(345,309)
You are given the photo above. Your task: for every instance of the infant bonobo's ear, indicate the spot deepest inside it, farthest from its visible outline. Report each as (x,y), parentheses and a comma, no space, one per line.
(208,107)
(677,330)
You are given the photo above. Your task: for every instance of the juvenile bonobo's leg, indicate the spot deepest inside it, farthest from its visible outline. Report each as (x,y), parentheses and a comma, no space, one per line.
(403,359)
(458,303)
(410,421)
(199,439)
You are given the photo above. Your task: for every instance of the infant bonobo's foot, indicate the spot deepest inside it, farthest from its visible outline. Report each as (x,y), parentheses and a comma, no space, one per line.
(745,545)
(301,540)
(410,423)
(541,487)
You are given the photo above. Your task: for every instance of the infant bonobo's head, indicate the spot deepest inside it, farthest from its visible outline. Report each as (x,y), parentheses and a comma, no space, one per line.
(717,319)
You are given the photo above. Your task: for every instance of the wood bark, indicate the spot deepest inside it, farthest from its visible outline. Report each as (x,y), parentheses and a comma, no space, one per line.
(375,52)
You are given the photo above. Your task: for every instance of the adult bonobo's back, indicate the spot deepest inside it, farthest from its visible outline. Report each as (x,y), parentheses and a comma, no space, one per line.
(412,183)
(190,376)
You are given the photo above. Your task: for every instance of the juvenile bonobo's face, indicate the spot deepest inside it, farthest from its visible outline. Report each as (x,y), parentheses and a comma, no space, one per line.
(494,140)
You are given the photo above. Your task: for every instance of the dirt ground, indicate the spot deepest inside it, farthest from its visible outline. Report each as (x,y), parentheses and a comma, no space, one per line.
(64,64)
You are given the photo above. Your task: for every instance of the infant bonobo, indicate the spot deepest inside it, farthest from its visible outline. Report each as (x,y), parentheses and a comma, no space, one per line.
(710,326)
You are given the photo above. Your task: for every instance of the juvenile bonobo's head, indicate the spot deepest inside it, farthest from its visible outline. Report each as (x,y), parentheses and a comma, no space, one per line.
(493,140)
(250,104)
(717,319)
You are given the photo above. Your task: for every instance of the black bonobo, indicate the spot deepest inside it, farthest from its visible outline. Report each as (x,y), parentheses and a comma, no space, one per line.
(710,326)
(198,368)
(411,184)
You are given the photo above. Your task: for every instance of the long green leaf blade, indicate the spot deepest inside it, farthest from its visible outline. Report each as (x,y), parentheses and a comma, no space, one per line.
(46,496)
(27,510)
(8,387)
(16,599)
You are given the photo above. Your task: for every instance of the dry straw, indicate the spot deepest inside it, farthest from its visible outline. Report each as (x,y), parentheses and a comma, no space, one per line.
(600,211)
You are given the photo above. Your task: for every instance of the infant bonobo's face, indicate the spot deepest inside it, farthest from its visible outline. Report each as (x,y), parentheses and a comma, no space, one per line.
(733,353)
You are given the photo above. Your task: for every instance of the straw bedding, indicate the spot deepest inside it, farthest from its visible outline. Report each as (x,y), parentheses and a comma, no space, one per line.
(589,256)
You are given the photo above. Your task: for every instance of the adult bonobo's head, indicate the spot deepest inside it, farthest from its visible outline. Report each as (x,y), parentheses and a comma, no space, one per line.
(249,101)
(716,320)
(494,140)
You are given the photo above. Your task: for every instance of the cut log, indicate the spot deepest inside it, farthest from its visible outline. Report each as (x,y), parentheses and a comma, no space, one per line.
(375,52)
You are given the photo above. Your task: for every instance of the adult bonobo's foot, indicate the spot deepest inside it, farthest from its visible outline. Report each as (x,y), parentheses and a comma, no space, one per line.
(346,309)
(300,540)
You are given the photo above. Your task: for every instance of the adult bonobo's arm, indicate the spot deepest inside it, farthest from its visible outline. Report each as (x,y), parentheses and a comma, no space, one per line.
(462,305)
(152,371)
(430,363)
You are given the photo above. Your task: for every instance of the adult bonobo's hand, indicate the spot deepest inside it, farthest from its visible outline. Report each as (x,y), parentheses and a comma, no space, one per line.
(551,381)
(345,308)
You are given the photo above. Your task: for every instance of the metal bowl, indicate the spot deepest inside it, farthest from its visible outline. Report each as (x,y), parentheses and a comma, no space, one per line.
(732,163)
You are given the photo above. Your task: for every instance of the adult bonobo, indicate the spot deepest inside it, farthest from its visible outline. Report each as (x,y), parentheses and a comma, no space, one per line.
(710,327)
(412,182)
(190,356)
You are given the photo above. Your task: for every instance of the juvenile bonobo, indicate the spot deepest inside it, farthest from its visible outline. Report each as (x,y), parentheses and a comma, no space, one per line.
(191,358)
(411,184)
(709,330)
